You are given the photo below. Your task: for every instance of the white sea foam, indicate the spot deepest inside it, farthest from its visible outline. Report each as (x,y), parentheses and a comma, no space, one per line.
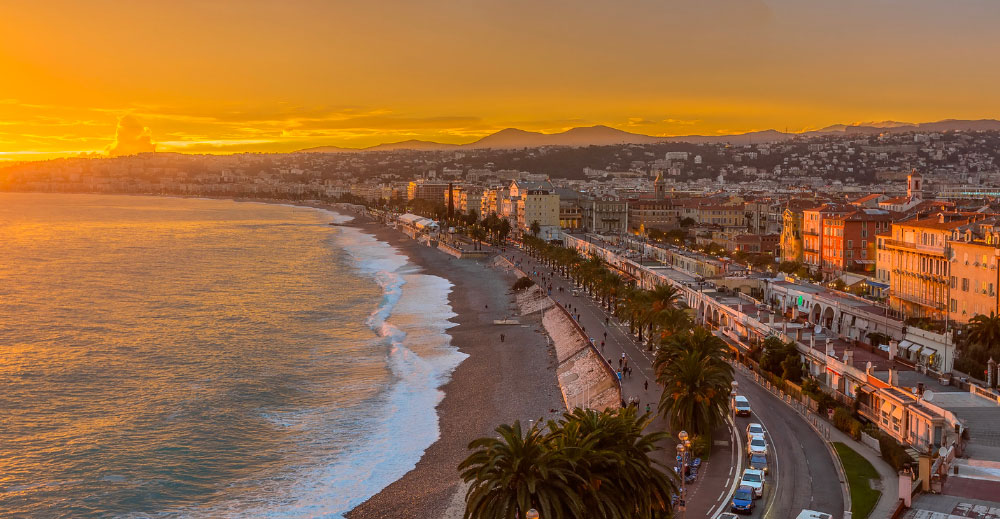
(413,317)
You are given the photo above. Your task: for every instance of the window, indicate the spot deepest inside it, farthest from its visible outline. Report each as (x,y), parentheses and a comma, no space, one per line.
(954,305)
(850,244)
(965,284)
(864,244)
(954,282)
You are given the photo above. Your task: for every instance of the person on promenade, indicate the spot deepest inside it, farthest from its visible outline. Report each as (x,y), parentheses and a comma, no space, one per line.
(647,408)
(619,363)
(602,346)
(645,385)
(605,335)
(501,337)
(619,373)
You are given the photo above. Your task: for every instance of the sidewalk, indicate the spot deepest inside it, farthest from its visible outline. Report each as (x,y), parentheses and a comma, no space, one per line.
(889,478)
(595,321)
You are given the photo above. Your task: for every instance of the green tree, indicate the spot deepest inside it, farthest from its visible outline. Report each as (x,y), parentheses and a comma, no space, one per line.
(536,228)
(518,471)
(696,381)
(589,464)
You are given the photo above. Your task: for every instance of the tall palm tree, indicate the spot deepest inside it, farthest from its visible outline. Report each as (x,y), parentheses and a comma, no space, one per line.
(623,480)
(985,330)
(696,381)
(516,472)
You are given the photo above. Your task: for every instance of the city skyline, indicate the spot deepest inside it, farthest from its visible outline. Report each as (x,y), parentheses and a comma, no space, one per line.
(209,78)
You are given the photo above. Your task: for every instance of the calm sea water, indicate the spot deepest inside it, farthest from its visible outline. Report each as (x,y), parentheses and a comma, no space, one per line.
(197,358)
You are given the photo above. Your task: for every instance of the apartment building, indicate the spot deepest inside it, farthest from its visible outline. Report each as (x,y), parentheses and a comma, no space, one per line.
(435,191)
(818,236)
(918,264)
(975,276)
(538,205)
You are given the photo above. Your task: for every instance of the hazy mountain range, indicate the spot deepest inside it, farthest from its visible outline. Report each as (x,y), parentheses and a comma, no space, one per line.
(512,138)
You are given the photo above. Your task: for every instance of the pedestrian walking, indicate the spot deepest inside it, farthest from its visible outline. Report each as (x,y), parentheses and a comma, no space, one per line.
(620,363)
(647,408)
(619,373)
(605,335)
(501,337)
(645,385)
(602,346)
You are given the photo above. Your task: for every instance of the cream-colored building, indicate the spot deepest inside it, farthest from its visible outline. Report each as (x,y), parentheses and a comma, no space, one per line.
(538,206)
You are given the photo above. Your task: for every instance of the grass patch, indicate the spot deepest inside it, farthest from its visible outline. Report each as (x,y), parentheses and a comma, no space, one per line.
(859,472)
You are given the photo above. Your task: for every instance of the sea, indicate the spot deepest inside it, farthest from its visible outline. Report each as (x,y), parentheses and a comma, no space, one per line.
(176,357)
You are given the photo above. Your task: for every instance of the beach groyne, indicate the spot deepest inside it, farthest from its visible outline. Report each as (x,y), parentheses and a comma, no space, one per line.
(586,379)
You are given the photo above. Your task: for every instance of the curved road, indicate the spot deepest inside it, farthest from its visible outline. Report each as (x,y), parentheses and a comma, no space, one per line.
(802,474)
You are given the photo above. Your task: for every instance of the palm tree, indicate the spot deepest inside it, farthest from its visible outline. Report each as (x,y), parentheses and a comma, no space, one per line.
(696,381)
(516,472)
(622,479)
(985,330)
(536,228)
(589,464)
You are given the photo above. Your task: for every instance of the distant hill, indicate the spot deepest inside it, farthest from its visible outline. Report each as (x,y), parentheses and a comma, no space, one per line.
(512,138)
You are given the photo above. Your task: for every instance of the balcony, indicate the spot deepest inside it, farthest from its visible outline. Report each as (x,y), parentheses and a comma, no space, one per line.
(918,247)
(917,300)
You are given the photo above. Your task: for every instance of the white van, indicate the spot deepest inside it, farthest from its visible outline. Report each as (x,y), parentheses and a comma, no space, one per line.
(810,514)
(741,405)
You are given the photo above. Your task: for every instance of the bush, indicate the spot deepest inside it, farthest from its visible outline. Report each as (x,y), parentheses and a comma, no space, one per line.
(893,453)
(700,445)
(843,420)
(522,284)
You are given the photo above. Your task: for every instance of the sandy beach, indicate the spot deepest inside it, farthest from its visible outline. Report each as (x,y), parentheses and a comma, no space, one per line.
(497,383)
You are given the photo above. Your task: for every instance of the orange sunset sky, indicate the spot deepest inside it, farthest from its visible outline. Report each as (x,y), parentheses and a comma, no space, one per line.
(251,75)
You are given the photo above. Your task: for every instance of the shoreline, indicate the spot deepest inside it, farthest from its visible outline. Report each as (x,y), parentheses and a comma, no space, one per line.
(497,383)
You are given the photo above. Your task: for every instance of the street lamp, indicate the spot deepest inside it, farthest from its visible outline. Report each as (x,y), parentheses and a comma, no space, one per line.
(681,451)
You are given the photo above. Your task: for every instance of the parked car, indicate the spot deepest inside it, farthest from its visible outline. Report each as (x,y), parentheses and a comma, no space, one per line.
(753,429)
(758,462)
(742,502)
(755,480)
(741,405)
(757,445)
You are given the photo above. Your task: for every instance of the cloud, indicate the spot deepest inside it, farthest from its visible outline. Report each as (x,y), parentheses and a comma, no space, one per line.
(131,138)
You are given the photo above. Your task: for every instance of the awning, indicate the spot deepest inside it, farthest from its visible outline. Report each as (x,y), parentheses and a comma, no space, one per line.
(867,388)
(905,346)
(876,284)
(927,351)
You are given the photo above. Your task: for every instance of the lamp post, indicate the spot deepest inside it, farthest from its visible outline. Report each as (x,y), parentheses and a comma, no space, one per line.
(682,450)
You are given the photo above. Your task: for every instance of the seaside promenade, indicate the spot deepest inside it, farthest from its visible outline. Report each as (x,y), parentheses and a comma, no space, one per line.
(716,472)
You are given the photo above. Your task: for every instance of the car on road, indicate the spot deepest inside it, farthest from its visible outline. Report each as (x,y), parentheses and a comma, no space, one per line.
(741,405)
(757,445)
(811,514)
(758,462)
(726,515)
(755,480)
(742,502)
(753,429)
